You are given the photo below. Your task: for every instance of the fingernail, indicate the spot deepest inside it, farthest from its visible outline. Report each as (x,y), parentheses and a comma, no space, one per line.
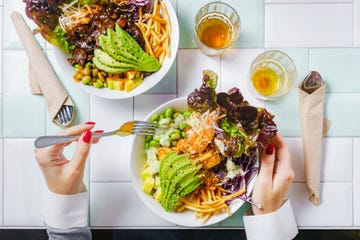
(87,136)
(270,149)
(90,123)
(98,131)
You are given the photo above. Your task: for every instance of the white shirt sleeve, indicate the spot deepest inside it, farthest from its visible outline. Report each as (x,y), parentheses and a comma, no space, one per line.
(65,211)
(280,225)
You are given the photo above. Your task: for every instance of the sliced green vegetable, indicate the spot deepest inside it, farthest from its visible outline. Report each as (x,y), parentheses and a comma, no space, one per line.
(179,175)
(121,53)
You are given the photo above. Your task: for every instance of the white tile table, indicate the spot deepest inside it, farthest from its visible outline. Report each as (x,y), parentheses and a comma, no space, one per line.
(317,34)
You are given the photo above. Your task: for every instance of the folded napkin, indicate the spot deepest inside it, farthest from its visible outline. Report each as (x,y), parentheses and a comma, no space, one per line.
(42,78)
(313,127)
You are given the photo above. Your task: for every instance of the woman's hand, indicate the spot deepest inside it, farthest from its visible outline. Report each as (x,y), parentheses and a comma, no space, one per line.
(65,176)
(274,178)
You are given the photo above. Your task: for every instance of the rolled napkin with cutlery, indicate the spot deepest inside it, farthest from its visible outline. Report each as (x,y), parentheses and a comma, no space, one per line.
(313,127)
(42,78)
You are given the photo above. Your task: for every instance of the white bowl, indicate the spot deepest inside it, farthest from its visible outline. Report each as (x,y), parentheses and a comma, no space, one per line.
(150,81)
(138,159)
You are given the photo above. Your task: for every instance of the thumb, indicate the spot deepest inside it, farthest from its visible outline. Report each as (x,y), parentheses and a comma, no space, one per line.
(82,150)
(267,163)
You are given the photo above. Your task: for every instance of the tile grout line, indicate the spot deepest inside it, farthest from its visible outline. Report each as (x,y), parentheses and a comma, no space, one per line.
(2,117)
(356,22)
(306,3)
(353,178)
(355,183)
(353,23)
(3,169)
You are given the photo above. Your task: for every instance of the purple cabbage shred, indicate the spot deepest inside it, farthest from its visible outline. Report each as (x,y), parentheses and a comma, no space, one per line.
(138,3)
(249,169)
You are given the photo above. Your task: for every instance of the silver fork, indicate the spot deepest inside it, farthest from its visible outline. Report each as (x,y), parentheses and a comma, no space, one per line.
(128,128)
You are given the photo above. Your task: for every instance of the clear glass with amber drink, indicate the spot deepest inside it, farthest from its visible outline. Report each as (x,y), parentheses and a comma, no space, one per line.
(216,28)
(272,74)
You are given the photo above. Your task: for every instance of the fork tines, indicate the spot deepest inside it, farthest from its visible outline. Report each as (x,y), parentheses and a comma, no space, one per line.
(144,128)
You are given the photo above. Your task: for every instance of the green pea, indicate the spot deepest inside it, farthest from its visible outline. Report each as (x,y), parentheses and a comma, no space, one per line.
(85,80)
(183,125)
(175,136)
(77,67)
(156,138)
(148,138)
(155,117)
(183,134)
(100,83)
(186,114)
(97,85)
(102,80)
(169,112)
(176,114)
(154,143)
(175,131)
(147,145)
(174,143)
(88,65)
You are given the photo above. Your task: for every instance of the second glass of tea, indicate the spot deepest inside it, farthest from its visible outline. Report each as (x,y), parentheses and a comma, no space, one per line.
(272,74)
(217,27)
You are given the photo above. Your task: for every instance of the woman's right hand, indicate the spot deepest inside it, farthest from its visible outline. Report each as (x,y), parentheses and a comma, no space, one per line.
(65,176)
(274,178)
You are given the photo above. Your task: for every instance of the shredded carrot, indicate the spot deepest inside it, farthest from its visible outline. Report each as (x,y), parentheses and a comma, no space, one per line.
(75,15)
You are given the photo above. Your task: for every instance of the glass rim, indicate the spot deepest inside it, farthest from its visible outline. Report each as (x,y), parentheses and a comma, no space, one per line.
(276,51)
(221,3)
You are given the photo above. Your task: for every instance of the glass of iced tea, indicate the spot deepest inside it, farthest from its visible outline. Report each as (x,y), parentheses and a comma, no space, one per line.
(216,28)
(272,74)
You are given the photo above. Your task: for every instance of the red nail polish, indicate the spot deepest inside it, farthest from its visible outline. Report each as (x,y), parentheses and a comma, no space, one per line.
(270,149)
(87,136)
(98,131)
(90,123)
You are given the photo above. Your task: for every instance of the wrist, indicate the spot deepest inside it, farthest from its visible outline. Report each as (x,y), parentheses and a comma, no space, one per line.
(66,189)
(266,208)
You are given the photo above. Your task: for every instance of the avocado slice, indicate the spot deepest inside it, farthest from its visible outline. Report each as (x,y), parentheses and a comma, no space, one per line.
(109,61)
(179,175)
(106,68)
(171,198)
(180,167)
(113,50)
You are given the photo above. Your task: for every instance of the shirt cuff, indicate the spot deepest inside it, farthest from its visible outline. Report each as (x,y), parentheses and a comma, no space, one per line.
(279,225)
(65,211)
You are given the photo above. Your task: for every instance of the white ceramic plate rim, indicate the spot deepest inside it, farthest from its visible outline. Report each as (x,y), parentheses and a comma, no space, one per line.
(150,81)
(186,218)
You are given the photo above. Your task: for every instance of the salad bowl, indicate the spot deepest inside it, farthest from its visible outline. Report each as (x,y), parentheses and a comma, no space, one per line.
(138,159)
(66,71)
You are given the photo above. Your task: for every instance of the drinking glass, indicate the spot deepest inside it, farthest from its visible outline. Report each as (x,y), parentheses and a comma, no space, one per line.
(272,74)
(216,28)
